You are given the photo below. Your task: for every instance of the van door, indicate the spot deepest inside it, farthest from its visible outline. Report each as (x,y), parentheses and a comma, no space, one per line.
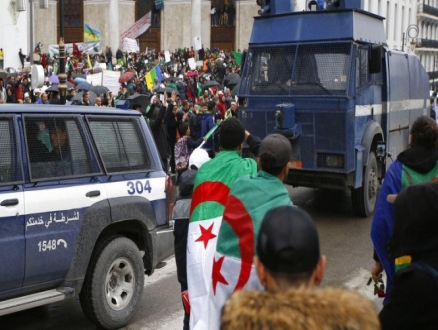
(12,244)
(63,173)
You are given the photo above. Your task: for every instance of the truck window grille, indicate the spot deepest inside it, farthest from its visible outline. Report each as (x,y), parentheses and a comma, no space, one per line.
(307,69)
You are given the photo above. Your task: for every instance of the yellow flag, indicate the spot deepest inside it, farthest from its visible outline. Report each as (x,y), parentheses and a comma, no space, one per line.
(88,61)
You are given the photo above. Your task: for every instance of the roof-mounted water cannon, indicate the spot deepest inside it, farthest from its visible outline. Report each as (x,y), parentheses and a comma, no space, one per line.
(316,5)
(275,7)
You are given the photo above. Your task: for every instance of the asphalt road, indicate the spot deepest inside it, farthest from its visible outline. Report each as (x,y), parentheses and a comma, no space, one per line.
(344,240)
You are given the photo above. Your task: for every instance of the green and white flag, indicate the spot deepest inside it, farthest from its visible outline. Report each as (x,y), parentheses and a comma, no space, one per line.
(212,185)
(249,200)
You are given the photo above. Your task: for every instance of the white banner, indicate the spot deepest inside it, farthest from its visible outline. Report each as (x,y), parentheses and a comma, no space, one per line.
(137,28)
(95,79)
(111,80)
(130,45)
(94,47)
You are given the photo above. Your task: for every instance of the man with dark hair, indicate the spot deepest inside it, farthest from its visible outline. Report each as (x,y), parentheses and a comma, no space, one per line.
(86,98)
(288,253)
(212,185)
(249,199)
(59,160)
(207,124)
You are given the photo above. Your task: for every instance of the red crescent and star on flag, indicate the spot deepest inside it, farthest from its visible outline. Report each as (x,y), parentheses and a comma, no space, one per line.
(240,221)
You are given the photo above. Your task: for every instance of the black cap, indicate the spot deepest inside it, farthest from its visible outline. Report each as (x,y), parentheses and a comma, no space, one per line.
(277,149)
(415,222)
(232,134)
(288,241)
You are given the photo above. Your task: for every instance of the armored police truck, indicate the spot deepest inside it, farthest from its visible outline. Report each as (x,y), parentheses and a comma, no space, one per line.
(327,81)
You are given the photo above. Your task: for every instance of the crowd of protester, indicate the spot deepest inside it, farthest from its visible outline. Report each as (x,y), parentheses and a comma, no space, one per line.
(260,241)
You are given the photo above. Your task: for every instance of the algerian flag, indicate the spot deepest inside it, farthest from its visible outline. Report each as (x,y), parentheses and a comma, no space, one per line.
(249,200)
(212,185)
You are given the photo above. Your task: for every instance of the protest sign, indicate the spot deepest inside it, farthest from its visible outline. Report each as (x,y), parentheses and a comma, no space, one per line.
(111,81)
(192,63)
(130,45)
(166,56)
(95,79)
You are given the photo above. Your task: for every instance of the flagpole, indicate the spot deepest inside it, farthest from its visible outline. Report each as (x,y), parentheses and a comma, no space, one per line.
(210,133)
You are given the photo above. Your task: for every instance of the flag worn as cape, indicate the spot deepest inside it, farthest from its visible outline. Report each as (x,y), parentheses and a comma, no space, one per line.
(249,200)
(155,72)
(212,185)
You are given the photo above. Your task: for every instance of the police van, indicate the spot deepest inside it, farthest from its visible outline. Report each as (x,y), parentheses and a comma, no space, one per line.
(84,209)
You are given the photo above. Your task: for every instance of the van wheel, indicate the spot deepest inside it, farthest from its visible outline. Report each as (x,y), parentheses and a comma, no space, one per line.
(113,284)
(364,198)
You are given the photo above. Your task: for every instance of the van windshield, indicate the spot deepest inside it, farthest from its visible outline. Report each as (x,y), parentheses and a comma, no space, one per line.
(307,69)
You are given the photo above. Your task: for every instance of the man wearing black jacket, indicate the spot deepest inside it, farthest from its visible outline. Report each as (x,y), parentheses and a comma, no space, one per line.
(159,132)
(413,299)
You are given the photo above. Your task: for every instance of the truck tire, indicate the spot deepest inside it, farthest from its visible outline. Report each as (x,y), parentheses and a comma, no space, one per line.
(113,284)
(364,198)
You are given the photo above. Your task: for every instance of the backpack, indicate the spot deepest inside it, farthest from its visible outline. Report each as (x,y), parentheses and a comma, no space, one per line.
(182,154)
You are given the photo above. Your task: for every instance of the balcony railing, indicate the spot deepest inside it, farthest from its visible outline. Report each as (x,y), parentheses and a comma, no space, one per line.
(426,9)
(427,43)
(433,74)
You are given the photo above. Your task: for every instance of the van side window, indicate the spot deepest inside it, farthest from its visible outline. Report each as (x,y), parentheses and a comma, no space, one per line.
(10,168)
(120,144)
(56,148)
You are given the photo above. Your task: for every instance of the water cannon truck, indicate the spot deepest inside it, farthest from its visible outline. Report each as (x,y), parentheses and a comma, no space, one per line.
(326,80)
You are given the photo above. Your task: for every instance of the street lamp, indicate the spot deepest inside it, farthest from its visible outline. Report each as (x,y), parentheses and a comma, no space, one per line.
(433,73)
(62,87)
(411,32)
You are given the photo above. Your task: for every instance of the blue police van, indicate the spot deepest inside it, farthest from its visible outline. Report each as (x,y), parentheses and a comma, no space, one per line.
(326,80)
(84,209)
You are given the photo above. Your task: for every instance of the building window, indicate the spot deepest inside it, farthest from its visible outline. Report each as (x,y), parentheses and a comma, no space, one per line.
(223,13)
(72,13)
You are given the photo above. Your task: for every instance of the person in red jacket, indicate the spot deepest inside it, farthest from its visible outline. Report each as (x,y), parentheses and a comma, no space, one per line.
(221,104)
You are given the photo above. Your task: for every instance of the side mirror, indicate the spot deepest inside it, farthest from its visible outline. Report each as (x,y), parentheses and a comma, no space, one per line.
(375,62)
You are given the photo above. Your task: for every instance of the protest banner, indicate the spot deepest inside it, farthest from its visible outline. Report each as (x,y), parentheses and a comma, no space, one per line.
(94,47)
(137,28)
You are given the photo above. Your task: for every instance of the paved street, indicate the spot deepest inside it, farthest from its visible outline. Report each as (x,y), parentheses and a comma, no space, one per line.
(344,240)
